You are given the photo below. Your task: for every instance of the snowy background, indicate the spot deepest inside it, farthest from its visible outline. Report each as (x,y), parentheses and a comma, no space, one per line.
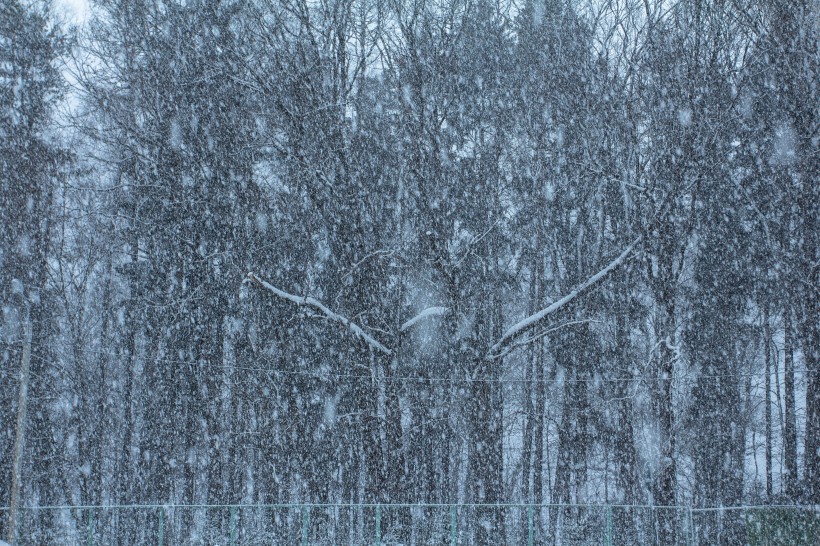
(395,252)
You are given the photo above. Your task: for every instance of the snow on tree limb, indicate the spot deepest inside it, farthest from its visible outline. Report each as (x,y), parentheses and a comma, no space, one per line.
(510,347)
(529,322)
(495,351)
(429,312)
(307,301)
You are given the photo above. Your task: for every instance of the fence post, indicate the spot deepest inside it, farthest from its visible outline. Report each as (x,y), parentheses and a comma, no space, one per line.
(90,527)
(608,538)
(453,522)
(691,528)
(529,525)
(17,531)
(305,516)
(161,530)
(378,524)
(233,525)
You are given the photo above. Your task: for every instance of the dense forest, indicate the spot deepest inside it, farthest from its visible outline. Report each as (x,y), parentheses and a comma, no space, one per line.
(410,251)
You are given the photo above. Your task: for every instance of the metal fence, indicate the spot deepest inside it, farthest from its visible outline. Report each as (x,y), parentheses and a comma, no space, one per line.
(416,524)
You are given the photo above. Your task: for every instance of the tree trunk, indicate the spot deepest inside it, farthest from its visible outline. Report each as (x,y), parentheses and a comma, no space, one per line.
(811,352)
(790,428)
(767,410)
(486,415)
(810,334)
(625,455)
(665,480)
(20,431)
(560,491)
(527,438)
(539,415)
(529,406)
(539,418)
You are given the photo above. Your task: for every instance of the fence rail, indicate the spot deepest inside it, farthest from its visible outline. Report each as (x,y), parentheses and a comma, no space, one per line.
(411,524)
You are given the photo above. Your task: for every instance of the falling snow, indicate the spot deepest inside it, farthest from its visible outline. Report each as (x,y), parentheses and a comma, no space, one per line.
(457,272)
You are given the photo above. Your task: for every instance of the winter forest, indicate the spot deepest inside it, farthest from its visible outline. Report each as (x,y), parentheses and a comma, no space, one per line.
(411,254)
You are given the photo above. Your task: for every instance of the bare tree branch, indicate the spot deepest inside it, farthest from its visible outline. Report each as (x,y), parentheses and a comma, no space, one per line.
(429,312)
(319,306)
(534,320)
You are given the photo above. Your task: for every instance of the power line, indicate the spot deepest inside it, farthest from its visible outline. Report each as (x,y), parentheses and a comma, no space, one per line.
(388,505)
(423,379)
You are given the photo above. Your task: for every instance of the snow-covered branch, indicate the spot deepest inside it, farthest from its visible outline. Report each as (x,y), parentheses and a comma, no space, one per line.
(429,312)
(307,301)
(533,320)
(535,337)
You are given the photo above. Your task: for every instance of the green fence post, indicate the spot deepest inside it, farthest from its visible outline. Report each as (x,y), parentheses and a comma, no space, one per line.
(453,522)
(18,532)
(691,528)
(161,530)
(233,525)
(608,538)
(529,525)
(378,524)
(90,526)
(305,516)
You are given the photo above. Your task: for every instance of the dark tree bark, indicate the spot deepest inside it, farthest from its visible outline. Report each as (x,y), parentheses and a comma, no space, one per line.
(790,425)
(767,410)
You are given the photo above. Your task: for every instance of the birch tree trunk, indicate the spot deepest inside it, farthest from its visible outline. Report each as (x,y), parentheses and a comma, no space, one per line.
(20,432)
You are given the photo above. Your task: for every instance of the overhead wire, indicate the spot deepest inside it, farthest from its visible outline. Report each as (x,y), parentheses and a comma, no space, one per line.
(319,374)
